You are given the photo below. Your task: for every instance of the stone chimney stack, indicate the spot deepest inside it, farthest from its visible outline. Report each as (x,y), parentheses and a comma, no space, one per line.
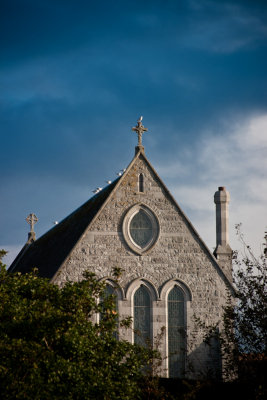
(223,251)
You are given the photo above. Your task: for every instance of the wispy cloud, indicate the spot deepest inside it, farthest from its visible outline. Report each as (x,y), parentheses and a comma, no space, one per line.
(236,160)
(74,78)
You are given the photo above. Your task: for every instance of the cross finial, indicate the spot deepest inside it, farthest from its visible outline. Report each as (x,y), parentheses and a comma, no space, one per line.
(32,219)
(139,129)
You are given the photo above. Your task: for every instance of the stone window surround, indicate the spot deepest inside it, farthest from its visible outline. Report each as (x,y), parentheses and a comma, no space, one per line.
(156,295)
(164,294)
(126,228)
(133,287)
(159,305)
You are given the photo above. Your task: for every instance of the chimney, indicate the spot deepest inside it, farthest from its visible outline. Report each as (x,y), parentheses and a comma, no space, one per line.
(223,251)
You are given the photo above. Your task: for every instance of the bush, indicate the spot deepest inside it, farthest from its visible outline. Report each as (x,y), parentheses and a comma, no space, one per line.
(50,348)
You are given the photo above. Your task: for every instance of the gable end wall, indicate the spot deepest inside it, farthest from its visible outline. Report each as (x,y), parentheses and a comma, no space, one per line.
(178,256)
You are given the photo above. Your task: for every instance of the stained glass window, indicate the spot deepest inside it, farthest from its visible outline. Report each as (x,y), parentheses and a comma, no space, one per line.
(110,291)
(141,228)
(176,332)
(141,316)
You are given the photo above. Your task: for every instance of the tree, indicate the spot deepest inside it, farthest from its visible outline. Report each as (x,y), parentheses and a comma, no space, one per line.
(250,311)
(243,338)
(50,348)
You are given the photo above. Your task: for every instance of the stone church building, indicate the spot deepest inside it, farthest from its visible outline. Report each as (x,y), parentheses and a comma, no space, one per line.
(169,275)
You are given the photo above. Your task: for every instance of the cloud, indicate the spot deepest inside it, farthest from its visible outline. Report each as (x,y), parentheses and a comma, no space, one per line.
(236,160)
(226,27)
(74,79)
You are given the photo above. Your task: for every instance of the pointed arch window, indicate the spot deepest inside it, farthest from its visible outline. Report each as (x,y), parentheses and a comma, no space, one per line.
(141,316)
(141,183)
(110,291)
(176,332)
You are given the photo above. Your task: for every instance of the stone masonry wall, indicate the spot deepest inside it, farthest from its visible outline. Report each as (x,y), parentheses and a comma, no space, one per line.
(177,256)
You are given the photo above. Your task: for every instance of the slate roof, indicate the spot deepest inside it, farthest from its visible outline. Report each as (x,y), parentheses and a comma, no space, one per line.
(50,250)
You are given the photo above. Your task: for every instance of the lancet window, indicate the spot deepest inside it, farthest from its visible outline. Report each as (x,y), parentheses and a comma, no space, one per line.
(110,291)
(176,332)
(141,183)
(142,316)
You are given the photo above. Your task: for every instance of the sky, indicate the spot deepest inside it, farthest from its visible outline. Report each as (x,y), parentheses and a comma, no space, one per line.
(75,75)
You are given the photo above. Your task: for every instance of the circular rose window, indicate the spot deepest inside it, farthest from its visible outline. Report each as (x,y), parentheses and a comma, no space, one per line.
(140,228)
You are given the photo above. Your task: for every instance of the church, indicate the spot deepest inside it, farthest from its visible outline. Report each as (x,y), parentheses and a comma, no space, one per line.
(169,275)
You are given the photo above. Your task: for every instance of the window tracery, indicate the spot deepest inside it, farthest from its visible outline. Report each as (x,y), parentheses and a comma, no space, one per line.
(140,228)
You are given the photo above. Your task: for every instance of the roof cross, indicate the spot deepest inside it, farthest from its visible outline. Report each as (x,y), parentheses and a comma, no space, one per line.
(32,219)
(139,129)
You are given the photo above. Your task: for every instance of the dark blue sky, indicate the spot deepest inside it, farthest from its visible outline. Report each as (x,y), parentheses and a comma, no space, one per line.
(76,75)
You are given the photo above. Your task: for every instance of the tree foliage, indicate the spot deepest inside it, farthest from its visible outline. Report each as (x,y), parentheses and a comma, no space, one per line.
(50,348)
(243,333)
(250,310)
